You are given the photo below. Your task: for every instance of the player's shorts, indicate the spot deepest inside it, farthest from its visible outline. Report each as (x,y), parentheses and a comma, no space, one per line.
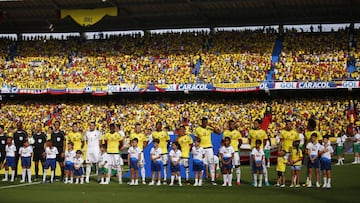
(301,146)
(356,148)
(79,172)
(134,163)
(267,153)
(69,166)
(175,168)
(164,159)
(115,160)
(103,170)
(325,164)
(227,166)
(26,162)
(296,168)
(156,166)
(313,165)
(255,169)
(185,162)
(142,161)
(10,162)
(339,150)
(236,159)
(209,156)
(198,165)
(92,155)
(50,163)
(59,158)
(280,173)
(38,156)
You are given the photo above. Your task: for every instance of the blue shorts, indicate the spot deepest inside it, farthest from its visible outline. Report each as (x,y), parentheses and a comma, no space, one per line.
(296,168)
(69,166)
(325,164)
(313,165)
(79,172)
(175,168)
(50,163)
(133,163)
(198,165)
(10,162)
(155,166)
(26,161)
(256,169)
(227,166)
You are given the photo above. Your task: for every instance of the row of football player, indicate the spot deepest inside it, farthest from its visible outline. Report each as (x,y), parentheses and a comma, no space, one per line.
(112,139)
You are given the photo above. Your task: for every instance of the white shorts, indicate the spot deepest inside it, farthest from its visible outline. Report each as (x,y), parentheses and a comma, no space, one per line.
(209,156)
(115,160)
(236,159)
(142,161)
(185,162)
(92,155)
(164,159)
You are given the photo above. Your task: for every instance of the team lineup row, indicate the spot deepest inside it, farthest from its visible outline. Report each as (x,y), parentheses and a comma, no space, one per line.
(103,150)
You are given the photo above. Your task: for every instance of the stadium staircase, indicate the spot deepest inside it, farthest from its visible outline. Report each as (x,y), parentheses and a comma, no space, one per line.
(275,56)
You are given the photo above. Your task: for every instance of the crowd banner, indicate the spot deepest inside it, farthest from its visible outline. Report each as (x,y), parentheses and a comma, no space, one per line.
(76,89)
(87,17)
(57,89)
(316,85)
(348,84)
(102,90)
(194,87)
(236,87)
(129,87)
(99,90)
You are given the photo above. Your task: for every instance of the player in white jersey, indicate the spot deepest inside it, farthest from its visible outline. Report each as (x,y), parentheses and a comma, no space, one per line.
(326,151)
(340,140)
(25,154)
(10,150)
(356,147)
(92,138)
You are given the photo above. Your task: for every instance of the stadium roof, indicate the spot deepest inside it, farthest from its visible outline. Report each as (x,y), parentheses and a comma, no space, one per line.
(24,16)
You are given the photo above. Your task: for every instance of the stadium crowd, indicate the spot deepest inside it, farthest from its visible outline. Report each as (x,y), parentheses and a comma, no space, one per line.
(175,58)
(333,115)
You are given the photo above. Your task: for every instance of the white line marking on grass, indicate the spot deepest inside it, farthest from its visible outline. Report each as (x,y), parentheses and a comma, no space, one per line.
(19,185)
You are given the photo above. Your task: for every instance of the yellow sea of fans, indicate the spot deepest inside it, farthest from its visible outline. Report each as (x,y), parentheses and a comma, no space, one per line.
(331,115)
(314,57)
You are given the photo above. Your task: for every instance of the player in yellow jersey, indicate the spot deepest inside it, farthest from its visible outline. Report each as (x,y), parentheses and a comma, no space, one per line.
(204,133)
(259,134)
(236,141)
(185,142)
(164,139)
(114,143)
(76,137)
(287,138)
(142,142)
(296,158)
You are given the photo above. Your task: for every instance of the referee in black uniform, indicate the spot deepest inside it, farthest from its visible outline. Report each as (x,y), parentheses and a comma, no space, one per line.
(3,140)
(39,148)
(19,138)
(58,140)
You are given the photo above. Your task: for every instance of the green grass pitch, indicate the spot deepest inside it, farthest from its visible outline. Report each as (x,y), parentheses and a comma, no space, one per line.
(345,183)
